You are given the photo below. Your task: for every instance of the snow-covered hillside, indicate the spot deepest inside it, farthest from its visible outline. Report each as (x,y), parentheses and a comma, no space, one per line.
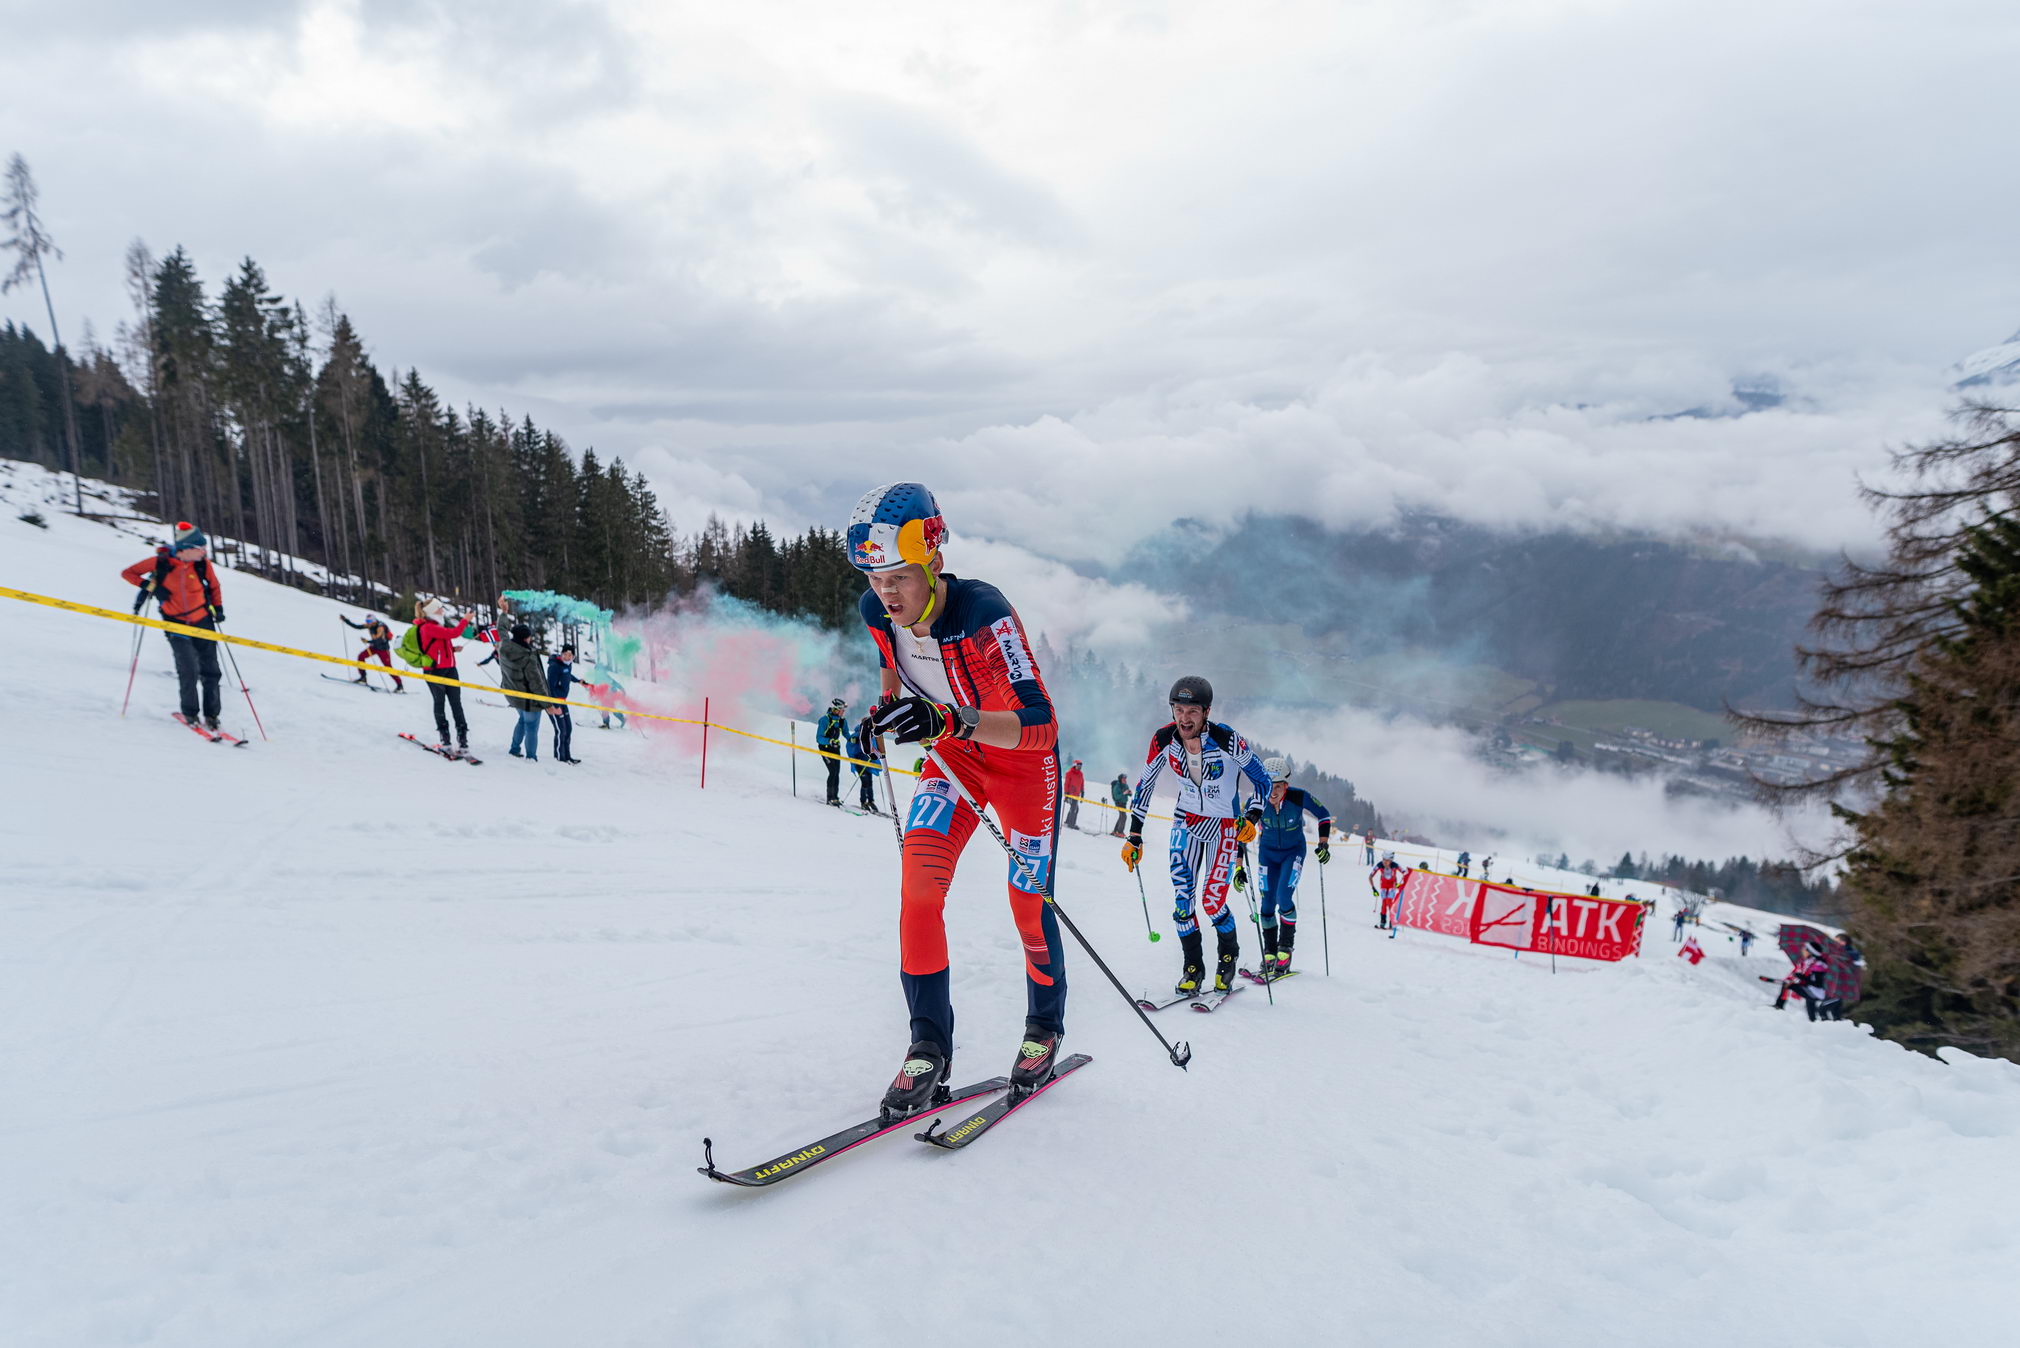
(327,1041)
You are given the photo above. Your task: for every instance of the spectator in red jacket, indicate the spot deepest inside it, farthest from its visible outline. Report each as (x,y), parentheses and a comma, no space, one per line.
(438,644)
(1076,785)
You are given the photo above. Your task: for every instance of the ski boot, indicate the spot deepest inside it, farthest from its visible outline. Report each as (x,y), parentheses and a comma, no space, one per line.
(1195,966)
(1268,967)
(920,1082)
(1035,1058)
(1223,969)
(212,722)
(1287,936)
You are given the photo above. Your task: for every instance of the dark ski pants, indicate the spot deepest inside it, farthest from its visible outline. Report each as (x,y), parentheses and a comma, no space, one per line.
(196,663)
(564,736)
(866,793)
(453,697)
(1280,872)
(1120,815)
(834,776)
(1072,813)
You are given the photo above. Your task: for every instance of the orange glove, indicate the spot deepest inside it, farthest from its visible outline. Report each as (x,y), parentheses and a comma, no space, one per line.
(1132,851)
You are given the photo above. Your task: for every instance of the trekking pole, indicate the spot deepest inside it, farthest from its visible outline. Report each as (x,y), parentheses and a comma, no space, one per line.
(1255,915)
(1325,936)
(1144,899)
(242,688)
(138,633)
(1180,1053)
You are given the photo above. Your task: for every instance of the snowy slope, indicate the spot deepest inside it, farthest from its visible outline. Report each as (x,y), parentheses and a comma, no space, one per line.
(326,1041)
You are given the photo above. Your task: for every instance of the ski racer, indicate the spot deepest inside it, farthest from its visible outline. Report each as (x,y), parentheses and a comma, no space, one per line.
(378,644)
(1810,980)
(958,676)
(181,579)
(1280,851)
(1207,758)
(1387,878)
(828,736)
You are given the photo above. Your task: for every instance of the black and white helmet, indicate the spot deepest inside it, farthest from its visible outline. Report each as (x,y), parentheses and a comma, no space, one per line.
(1192,691)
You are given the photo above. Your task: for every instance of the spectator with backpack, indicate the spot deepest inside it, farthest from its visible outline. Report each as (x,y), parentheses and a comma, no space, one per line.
(430,644)
(181,579)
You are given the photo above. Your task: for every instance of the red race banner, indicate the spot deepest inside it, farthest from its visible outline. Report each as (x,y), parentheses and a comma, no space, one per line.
(1440,903)
(1556,924)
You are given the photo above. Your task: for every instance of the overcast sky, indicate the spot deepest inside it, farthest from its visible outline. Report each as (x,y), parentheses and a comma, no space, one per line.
(1086,267)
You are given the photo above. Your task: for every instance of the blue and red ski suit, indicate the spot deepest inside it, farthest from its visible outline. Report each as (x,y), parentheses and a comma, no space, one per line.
(976,655)
(1280,848)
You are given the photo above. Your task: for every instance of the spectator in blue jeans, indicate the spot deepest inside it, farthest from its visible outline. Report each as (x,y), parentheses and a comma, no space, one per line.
(521,671)
(560,674)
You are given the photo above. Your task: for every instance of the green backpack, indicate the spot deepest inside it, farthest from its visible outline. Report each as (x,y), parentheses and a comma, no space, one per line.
(410,648)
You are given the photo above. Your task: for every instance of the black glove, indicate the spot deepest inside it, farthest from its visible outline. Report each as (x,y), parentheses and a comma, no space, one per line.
(217,613)
(913,719)
(1324,853)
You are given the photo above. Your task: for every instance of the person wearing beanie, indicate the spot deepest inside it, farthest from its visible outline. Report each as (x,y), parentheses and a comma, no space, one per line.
(561,674)
(180,578)
(520,672)
(438,647)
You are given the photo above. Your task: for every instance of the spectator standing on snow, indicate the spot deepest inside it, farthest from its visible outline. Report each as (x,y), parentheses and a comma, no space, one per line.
(560,674)
(1465,863)
(437,641)
(1076,786)
(1677,930)
(1368,847)
(182,580)
(863,749)
(1746,940)
(828,736)
(519,672)
(378,643)
(1118,791)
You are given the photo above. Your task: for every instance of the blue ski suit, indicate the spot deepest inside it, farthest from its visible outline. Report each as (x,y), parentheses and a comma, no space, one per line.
(1280,848)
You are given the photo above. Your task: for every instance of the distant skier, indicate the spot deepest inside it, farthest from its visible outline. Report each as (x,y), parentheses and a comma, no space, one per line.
(1682,916)
(180,578)
(1746,940)
(1208,759)
(957,673)
(378,643)
(1465,863)
(828,736)
(1076,786)
(1487,869)
(1387,879)
(1810,979)
(1118,793)
(560,675)
(863,749)
(1280,852)
(438,652)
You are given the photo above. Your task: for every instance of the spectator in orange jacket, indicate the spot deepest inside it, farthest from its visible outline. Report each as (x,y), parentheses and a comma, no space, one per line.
(181,579)
(438,645)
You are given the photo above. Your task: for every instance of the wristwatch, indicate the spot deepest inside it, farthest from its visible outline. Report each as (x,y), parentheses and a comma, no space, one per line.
(966,720)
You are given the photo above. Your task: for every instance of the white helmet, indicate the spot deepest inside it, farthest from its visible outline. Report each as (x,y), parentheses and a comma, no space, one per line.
(1388,856)
(1279,769)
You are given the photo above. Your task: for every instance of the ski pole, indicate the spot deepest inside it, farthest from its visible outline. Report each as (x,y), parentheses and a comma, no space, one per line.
(891,792)
(1180,1053)
(241,685)
(1325,936)
(1144,899)
(138,633)
(1255,915)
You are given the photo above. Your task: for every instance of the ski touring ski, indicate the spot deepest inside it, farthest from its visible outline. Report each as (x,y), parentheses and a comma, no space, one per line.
(802,1159)
(1149,1003)
(214,736)
(1212,1000)
(452,755)
(1255,977)
(993,1113)
(355,683)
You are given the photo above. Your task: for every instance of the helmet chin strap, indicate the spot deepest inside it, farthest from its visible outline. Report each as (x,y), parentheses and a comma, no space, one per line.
(932,595)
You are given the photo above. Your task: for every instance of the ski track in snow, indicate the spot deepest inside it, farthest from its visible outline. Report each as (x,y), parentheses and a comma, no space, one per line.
(324,1042)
